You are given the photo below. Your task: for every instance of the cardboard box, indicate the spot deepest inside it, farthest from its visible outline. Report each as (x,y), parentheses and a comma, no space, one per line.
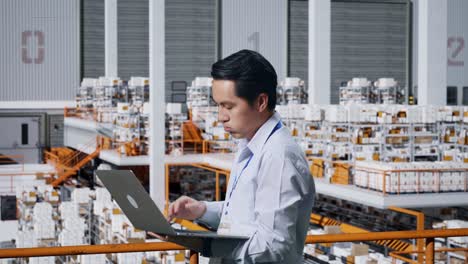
(359,249)
(332,230)
(457,261)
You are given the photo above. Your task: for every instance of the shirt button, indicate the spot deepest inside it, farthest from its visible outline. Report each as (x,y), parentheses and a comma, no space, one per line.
(227,204)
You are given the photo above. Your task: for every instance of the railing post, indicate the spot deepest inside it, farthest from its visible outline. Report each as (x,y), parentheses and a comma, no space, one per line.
(420,242)
(430,250)
(167,172)
(193,257)
(218,196)
(419,227)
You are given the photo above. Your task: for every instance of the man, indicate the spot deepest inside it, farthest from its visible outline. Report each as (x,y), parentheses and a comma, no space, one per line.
(270,191)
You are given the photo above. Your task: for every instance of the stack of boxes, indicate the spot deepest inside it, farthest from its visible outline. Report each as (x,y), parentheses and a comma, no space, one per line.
(463,136)
(199,93)
(357,91)
(127,129)
(342,252)
(317,168)
(138,92)
(426,141)
(392,133)
(84,98)
(388,91)
(452,257)
(450,119)
(106,97)
(313,139)
(67,223)
(124,107)
(37,220)
(91,259)
(341,173)
(362,91)
(366,133)
(130,258)
(113,227)
(411,177)
(46,221)
(174,129)
(291,91)
(42,260)
(73,226)
(339,148)
(43,224)
(144,130)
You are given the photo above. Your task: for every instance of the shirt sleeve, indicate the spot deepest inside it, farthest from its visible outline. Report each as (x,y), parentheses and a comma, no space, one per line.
(281,187)
(212,216)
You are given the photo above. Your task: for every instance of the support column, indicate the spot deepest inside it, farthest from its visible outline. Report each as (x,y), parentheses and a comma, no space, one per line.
(157,101)
(432,52)
(429,251)
(110,38)
(319,51)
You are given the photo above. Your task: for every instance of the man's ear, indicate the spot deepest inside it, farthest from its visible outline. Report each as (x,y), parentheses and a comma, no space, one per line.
(262,102)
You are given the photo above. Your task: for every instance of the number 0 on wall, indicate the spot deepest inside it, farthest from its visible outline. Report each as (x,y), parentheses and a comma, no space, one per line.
(28,36)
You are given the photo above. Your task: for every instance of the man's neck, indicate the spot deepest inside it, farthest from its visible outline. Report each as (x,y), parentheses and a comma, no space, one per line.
(264,118)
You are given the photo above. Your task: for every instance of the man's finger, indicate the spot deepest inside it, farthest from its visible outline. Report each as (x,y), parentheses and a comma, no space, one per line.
(169,217)
(170,211)
(176,209)
(163,238)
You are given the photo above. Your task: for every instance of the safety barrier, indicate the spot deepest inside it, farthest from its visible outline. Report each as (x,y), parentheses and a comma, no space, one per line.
(428,235)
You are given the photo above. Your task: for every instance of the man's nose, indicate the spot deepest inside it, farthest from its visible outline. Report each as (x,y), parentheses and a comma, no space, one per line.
(222,117)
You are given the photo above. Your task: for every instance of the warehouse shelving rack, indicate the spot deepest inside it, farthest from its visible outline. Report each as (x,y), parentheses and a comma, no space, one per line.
(425,141)
(357,95)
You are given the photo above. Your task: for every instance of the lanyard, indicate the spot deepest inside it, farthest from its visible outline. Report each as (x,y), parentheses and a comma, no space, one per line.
(236,180)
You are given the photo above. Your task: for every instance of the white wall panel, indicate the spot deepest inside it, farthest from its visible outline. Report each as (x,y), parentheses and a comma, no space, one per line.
(368,39)
(432,52)
(39,50)
(457,44)
(259,25)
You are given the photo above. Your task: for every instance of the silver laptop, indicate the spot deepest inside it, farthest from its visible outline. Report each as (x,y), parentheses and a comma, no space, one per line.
(140,209)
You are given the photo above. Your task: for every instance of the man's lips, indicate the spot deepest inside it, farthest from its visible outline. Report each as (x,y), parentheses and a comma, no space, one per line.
(227,129)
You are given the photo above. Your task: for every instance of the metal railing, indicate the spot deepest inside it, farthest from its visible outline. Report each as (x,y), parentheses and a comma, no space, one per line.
(419,226)
(428,235)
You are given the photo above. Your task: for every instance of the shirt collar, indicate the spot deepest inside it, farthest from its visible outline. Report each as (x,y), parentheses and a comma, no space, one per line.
(262,134)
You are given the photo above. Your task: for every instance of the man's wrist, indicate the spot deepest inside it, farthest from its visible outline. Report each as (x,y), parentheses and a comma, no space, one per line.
(203,209)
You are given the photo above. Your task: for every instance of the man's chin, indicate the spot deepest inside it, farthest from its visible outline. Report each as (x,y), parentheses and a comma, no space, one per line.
(235,135)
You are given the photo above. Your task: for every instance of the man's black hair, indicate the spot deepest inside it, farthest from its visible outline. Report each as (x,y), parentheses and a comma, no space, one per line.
(251,73)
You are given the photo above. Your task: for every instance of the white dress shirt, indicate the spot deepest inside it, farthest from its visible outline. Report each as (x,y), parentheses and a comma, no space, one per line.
(272,200)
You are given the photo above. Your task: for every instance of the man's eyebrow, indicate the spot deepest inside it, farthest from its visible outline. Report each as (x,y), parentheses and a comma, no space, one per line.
(221,103)
(226,103)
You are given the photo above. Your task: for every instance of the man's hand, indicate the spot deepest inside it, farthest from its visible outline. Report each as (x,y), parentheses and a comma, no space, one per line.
(186,208)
